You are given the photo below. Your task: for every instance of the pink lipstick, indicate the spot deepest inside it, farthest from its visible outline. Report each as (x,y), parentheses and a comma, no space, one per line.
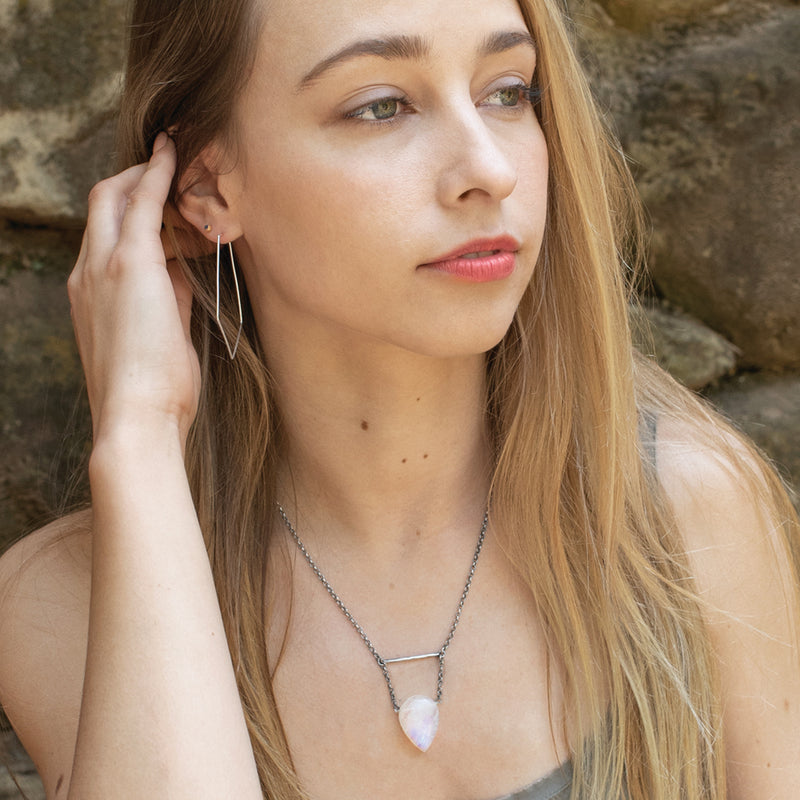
(479,261)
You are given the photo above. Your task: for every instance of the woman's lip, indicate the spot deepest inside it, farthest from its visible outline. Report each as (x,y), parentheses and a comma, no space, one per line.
(498,243)
(479,261)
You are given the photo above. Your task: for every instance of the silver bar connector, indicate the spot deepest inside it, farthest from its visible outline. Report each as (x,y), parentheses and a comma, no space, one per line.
(410,658)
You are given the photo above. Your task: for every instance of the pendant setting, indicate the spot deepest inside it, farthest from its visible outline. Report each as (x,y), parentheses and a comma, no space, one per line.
(419,719)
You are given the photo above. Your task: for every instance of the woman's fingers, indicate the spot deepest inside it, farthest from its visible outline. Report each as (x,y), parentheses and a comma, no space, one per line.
(128,206)
(108,201)
(145,203)
(133,194)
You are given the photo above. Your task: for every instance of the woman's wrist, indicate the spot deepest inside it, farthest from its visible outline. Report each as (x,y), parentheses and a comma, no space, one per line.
(136,444)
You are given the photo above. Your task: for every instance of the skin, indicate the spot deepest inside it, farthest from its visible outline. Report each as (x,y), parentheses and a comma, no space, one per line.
(111,634)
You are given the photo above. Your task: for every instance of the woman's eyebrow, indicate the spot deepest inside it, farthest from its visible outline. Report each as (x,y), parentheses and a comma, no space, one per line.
(391,47)
(408,47)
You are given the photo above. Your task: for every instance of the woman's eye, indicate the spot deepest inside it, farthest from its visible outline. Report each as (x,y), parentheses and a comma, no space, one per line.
(511,96)
(383,109)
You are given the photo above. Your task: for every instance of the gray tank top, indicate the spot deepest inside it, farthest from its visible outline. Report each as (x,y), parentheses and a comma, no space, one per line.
(555,786)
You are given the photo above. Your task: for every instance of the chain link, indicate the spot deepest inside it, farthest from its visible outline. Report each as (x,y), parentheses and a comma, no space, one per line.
(379,660)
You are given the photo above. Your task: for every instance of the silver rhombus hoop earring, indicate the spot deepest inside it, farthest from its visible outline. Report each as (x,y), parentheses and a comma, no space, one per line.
(231,350)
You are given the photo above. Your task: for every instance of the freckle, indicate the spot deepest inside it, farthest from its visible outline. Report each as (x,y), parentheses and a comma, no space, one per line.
(391,586)
(419,533)
(785,705)
(59,782)
(418,399)
(364,425)
(404,460)
(425,456)
(769,764)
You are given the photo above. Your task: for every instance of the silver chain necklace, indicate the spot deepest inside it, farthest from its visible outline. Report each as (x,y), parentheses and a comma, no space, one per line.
(418,714)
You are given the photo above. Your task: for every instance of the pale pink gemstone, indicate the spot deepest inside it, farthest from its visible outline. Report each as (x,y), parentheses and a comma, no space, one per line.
(419,719)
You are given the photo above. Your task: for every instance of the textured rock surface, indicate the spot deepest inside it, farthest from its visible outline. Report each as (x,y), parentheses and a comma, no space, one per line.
(710,116)
(767,408)
(59,82)
(43,429)
(687,349)
(727,243)
(638,14)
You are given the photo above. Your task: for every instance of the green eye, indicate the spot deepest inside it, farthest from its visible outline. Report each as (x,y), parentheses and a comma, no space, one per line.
(384,109)
(509,96)
(387,108)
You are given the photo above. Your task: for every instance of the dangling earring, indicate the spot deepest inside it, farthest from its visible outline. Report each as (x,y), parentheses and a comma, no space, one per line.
(231,350)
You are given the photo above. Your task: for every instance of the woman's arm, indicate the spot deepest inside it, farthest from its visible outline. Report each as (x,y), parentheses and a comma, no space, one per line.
(160,714)
(743,576)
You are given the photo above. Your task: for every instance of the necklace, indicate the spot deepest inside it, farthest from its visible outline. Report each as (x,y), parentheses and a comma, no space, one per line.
(418,715)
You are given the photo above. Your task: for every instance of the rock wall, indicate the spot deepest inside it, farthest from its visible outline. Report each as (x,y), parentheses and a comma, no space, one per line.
(708,110)
(705,99)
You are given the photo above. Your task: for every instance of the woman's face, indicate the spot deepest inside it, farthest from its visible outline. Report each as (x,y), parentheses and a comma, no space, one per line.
(378,139)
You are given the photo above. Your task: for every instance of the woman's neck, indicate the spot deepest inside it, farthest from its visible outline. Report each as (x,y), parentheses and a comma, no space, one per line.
(381,443)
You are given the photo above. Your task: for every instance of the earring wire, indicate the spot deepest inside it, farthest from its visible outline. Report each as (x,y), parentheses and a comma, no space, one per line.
(231,350)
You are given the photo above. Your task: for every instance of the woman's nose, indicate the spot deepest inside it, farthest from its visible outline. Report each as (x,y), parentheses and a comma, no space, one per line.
(474,163)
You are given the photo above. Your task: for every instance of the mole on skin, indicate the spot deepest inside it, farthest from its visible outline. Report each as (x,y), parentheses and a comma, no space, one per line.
(364,425)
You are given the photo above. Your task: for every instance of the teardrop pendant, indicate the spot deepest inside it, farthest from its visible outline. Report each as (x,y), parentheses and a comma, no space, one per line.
(419,719)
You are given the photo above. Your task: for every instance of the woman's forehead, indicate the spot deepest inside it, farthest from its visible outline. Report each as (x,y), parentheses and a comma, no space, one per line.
(301,33)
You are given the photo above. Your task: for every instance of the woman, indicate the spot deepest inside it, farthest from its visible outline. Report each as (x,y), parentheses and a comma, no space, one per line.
(427,218)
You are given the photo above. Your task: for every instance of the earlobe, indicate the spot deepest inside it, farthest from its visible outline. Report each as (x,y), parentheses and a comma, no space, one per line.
(202,204)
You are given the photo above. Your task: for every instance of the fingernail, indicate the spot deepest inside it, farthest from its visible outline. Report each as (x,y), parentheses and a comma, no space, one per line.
(160,141)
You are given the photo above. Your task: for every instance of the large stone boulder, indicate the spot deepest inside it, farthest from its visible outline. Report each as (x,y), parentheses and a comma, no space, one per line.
(637,14)
(767,408)
(44,423)
(710,115)
(690,351)
(60,71)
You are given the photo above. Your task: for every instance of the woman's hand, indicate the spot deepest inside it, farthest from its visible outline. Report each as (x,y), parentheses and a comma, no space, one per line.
(131,308)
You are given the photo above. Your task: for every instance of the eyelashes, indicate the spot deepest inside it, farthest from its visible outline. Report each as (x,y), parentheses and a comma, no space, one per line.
(533,94)
(386,110)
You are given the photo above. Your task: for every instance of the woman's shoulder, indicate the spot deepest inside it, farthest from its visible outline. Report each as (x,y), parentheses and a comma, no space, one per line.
(740,532)
(720,488)
(45,586)
(41,565)
(730,510)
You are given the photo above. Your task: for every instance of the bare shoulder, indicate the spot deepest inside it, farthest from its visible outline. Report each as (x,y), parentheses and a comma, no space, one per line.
(45,586)
(735,534)
(723,498)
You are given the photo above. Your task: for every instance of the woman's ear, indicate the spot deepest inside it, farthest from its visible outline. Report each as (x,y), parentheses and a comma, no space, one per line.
(202,203)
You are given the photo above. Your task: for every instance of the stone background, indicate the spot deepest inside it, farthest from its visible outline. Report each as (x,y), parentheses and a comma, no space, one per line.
(705,98)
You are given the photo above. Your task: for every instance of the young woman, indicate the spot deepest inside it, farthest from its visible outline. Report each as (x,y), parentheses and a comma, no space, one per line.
(430,438)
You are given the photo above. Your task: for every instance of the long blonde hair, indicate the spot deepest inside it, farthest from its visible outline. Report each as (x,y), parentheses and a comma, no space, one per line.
(570,405)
